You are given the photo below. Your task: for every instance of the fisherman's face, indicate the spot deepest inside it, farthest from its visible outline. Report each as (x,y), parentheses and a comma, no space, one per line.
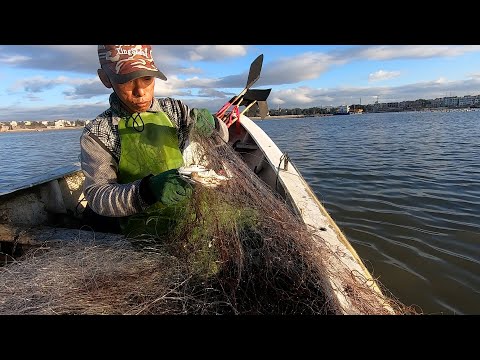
(136,94)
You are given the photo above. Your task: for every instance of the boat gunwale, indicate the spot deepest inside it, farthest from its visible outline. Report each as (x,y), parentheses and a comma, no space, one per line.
(44,178)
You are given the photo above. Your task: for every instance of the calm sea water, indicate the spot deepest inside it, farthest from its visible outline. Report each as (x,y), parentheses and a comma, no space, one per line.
(404,188)
(28,154)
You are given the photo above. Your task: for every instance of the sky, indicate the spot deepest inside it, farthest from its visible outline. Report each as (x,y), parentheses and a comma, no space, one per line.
(49,82)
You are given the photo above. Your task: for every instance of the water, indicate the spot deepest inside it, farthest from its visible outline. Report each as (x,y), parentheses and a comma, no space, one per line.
(404,188)
(28,154)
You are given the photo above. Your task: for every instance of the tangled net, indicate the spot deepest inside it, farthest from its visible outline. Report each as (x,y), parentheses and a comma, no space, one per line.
(236,248)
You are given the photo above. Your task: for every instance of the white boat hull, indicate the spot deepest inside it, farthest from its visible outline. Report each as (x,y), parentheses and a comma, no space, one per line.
(28,212)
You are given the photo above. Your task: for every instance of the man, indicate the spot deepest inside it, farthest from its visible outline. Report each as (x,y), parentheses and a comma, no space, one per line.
(130,152)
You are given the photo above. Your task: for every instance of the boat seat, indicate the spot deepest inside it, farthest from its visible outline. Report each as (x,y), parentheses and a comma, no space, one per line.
(244,146)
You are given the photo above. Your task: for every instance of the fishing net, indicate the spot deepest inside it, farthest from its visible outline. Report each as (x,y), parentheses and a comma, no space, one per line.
(234,248)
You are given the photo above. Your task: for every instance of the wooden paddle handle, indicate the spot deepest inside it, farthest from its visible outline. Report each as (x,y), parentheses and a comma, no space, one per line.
(248,107)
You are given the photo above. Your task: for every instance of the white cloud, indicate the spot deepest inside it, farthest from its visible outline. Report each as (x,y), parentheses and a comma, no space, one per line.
(196,90)
(441,80)
(381,75)
(389,52)
(14,59)
(304,97)
(215,52)
(190,70)
(41,83)
(474,76)
(295,69)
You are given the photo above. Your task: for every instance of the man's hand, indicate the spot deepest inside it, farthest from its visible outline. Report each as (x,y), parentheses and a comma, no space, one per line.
(204,121)
(169,188)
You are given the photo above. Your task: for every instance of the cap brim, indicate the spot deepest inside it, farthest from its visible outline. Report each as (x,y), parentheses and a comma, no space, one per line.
(120,79)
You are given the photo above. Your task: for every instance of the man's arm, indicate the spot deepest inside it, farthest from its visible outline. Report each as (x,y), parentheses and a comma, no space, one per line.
(104,195)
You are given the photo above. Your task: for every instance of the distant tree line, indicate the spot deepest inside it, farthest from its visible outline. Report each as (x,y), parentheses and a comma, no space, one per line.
(452,102)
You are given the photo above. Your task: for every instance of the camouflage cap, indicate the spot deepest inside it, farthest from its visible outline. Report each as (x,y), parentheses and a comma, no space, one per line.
(127,62)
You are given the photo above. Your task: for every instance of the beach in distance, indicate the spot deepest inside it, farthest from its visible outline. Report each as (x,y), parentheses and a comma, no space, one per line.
(277,117)
(42,129)
(81,127)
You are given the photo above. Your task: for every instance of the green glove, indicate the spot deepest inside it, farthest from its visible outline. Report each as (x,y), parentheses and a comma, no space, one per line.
(204,121)
(169,188)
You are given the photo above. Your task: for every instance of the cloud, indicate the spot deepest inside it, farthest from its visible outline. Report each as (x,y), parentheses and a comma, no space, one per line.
(190,70)
(441,80)
(297,97)
(391,52)
(86,89)
(13,59)
(82,111)
(38,84)
(31,97)
(304,97)
(381,75)
(171,58)
(82,88)
(433,89)
(215,52)
(296,69)
(474,76)
(83,58)
(211,92)
(77,58)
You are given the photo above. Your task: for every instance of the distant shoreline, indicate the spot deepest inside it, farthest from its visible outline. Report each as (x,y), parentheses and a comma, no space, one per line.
(273,117)
(277,117)
(42,129)
(81,127)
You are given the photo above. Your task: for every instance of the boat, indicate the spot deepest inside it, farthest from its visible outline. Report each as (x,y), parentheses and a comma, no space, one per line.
(48,208)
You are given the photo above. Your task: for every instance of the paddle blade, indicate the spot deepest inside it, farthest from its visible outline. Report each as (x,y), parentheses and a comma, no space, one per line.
(263,109)
(255,70)
(257,94)
(246,102)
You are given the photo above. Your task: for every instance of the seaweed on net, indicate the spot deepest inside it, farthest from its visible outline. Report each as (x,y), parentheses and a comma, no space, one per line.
(235,248)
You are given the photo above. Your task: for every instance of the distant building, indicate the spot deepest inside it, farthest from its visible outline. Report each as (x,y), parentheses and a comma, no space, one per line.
(59,123)
(467,100)
(451,101)
(343,109)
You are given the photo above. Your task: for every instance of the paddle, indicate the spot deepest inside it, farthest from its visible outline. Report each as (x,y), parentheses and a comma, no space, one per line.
(256,94)
(263,109)
(253,75)
(253,95)
(262,106)
(248,107)
(259,96)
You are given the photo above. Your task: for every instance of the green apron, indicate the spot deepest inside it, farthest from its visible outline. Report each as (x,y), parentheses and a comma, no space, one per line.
(151,151)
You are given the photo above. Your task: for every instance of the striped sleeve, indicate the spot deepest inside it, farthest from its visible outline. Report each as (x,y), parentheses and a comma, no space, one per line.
(104,195)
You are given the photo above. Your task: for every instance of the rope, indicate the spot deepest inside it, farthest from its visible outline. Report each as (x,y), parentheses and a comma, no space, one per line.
(136,125)
(285,158)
